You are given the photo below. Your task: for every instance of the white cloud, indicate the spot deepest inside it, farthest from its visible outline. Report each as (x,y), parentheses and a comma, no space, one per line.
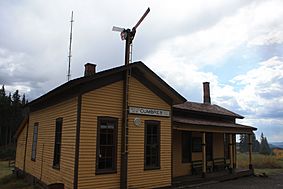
(262,91)
(178,40)
(259,99)
(265,24)
(185,78)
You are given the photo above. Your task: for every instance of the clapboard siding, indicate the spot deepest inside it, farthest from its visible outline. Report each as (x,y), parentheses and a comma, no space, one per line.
(20,151)
(141,96)
(106,101)
(41,168)
(218,145)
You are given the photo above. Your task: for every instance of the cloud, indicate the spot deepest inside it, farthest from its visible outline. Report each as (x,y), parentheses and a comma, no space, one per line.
(262,92)
(184,42)
(258,96)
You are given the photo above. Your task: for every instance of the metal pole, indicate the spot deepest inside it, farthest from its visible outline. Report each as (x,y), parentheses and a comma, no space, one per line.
(70,49)
(127,46)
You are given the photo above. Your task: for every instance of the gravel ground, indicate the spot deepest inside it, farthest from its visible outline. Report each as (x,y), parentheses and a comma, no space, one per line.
(252,182)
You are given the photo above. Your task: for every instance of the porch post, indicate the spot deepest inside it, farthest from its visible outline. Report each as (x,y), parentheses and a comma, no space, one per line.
(231,151)
(234,152)
(250,152)
(203,155)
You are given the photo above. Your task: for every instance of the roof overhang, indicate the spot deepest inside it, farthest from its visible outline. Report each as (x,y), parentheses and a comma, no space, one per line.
(211,126)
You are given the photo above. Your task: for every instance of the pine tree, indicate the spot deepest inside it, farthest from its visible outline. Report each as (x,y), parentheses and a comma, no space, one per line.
(243,145)
(2,102)
(2,92)
(24,100)
(256,144)
(11,114)
(264,146)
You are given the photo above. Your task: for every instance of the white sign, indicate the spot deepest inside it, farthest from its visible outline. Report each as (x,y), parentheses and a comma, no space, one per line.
(149,111)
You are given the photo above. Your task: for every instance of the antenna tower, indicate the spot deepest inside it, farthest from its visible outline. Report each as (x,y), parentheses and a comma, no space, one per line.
(70,49)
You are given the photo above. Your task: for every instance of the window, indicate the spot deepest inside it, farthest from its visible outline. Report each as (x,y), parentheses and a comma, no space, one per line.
(152,145)
(106,145)
(196,143)
(57,144)
(186,147)
(34,141)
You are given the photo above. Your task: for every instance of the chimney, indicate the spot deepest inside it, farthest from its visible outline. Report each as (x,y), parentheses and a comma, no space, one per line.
(89,69)
(206,93)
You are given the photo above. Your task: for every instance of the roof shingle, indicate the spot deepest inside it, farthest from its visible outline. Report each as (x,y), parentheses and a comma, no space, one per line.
(207,108)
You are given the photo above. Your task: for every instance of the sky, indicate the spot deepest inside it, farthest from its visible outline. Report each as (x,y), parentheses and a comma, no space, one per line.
(236,45)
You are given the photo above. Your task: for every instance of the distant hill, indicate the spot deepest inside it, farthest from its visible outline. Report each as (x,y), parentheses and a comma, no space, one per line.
(276,145)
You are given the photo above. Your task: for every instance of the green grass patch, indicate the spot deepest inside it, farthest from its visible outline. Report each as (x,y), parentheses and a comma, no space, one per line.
(10,181)
(4,169)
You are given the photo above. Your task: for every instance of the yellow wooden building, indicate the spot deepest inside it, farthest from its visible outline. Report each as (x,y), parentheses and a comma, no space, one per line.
(123,128)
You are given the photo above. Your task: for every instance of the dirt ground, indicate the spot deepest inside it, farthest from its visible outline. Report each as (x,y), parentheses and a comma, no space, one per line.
(252,182)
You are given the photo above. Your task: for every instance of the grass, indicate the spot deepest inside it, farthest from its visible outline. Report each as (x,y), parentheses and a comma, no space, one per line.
(4,169)
(10,181)
(268,164)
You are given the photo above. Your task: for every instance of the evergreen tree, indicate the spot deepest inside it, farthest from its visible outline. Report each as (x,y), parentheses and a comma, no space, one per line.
(24,101)
(11,114)
(264,146)
(243,145)
(256,144)
(2,92)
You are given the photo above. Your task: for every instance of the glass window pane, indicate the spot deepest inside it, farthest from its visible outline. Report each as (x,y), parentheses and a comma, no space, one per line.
(152,148)
(106,144)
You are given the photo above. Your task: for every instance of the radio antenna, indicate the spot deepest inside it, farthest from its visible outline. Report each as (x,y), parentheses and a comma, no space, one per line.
(70,49)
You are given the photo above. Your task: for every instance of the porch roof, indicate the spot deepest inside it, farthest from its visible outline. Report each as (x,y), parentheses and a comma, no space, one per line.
(206,108)
(191,124)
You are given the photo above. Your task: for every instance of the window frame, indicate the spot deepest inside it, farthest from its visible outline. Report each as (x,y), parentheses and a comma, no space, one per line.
(34,141)
(98,146)
(146,125)
(196,144)
(57,144)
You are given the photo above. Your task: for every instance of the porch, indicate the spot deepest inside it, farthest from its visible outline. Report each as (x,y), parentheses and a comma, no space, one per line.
(204,140)
(204,143)
(205,154)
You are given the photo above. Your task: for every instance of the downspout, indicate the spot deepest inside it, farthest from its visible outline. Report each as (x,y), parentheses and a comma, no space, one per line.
(172,132)
(41,166)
